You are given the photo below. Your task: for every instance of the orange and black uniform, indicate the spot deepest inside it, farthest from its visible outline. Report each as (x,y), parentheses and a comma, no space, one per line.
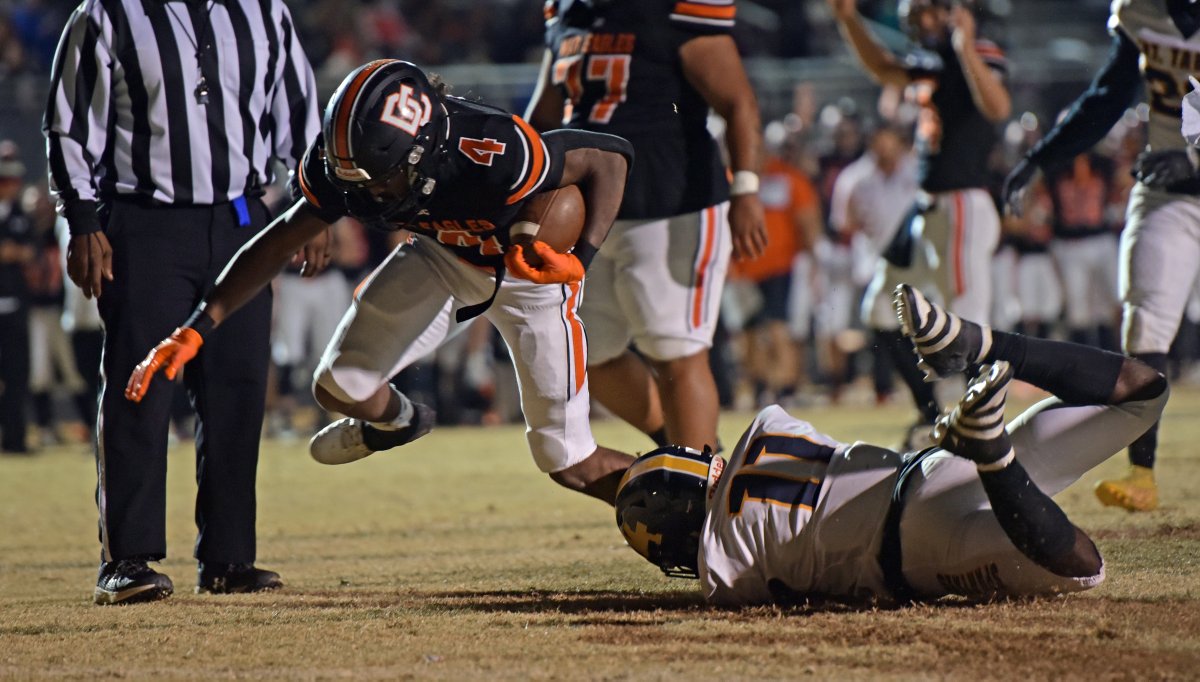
(953,138)
(619,67)
(480,187)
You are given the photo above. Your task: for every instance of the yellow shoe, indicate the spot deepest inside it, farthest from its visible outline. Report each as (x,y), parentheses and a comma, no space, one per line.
(1137,491)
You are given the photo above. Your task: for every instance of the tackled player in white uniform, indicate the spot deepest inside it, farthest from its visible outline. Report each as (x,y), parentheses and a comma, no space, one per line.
(797,515)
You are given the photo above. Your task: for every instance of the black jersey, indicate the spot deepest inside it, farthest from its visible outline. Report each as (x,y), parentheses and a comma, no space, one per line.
(493,162)
(953,138)
(619,69)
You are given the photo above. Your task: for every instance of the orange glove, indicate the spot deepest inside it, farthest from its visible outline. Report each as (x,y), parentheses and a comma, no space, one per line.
(556,268)
(173,352)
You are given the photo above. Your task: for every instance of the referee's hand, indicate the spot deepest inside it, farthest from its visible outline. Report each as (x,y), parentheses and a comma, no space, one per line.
(170,355)
(89,261)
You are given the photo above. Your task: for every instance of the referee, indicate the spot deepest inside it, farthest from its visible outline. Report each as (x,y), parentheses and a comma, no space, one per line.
(162,121)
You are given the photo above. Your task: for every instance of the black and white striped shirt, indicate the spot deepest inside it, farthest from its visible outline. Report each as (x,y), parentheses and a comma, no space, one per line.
(124,116)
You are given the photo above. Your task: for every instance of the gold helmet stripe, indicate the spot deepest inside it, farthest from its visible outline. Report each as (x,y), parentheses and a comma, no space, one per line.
(682,465)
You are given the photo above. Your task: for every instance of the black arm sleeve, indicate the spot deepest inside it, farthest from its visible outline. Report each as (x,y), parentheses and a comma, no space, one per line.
(1097,110)
(563,140)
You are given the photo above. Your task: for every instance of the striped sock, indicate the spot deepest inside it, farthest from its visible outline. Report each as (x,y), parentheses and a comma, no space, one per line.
(975,429)
(940,328)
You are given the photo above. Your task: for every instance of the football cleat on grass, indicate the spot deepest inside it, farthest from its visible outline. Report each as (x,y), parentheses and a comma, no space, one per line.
(128,581)
(235,579)
(348,439)
(974,429)
(1136,491)
(945,343)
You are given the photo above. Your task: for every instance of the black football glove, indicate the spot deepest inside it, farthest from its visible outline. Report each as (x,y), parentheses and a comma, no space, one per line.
(1013,194)
(1171,170)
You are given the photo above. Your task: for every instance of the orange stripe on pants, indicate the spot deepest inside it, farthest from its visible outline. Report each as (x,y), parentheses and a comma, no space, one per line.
(706,245)
(578,357)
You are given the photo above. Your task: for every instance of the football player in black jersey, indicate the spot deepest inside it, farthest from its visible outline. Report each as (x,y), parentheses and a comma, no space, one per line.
(957,81)
(398,153)
(649,71)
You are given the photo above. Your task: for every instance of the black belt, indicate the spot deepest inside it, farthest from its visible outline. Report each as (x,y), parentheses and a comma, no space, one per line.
(890,559)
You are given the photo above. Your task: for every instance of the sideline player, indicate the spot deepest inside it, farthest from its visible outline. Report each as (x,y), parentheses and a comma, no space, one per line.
(798,515)
(397,152)
(649,71)
(773,357)
(864,211)
(957,81)
(1085,249)
(1160,245)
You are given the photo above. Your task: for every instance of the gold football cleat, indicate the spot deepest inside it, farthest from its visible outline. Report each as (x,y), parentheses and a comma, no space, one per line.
(1136,491)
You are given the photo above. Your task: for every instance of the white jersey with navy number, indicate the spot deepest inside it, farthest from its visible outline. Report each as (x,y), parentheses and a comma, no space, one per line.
(796,513)
(1167,59)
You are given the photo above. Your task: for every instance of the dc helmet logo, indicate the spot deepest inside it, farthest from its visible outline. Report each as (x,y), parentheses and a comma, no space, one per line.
(406,112)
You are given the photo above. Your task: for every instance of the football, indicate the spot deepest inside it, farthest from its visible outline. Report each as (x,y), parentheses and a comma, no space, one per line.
(558,214)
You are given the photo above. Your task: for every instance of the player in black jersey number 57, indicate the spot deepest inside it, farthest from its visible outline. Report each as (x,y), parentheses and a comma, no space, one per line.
(649,71)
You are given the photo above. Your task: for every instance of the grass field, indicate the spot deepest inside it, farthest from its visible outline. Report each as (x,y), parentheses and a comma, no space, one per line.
(456,559)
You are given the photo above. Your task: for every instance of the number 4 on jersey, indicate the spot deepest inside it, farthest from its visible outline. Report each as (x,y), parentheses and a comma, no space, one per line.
(481,151)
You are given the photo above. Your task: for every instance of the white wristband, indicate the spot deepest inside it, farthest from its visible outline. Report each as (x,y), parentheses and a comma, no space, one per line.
(523,227)
(998,464)
(744,182)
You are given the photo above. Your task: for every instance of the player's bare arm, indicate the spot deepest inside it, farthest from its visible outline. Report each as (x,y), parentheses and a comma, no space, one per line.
(600,174)
(713,67)
(252,268)
(261,259)
(598,164)
(545,110)
(878,62)
(987,90)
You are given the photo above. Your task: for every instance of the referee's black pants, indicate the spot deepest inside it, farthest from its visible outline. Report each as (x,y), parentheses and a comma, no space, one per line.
(14,378)
(165,258)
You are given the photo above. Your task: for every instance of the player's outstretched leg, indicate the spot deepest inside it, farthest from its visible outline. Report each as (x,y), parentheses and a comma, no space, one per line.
(1078,375)
(351,438)
(1032,521)
(945,343)
(974,429)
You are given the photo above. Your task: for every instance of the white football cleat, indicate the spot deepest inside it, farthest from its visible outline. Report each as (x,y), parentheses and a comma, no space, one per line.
(348,440)
(340,442)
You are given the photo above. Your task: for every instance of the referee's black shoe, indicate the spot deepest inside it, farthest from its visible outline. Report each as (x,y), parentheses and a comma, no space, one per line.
(235,578)
(128,581)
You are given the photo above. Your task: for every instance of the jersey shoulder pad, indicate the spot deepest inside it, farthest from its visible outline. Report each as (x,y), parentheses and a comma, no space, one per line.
(704,16)
(310,183)
(515,152)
